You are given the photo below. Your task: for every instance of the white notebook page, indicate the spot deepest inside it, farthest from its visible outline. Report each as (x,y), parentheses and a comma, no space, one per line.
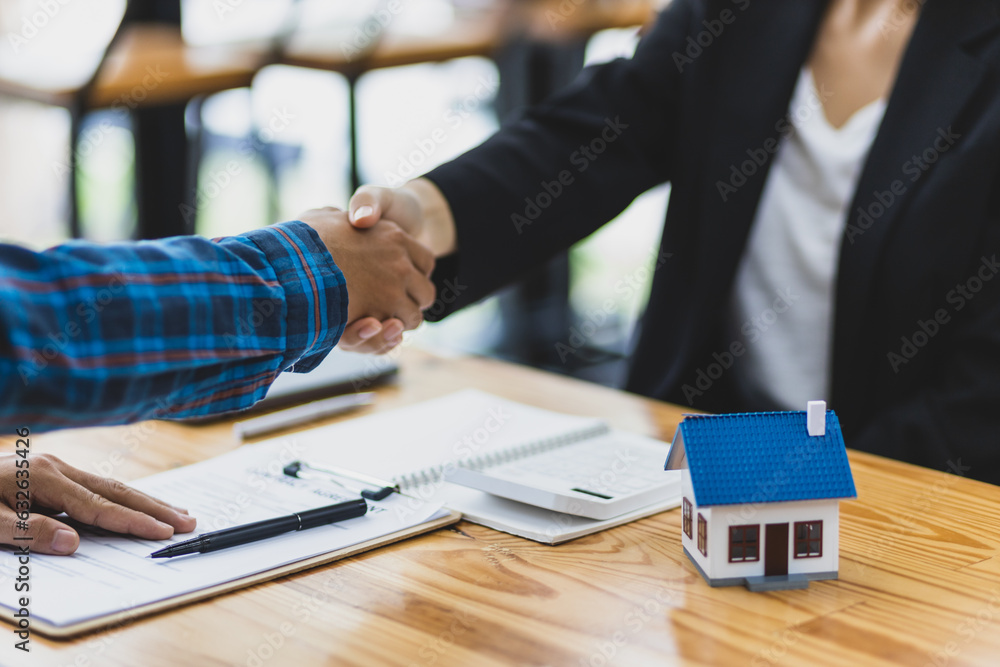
(433,434)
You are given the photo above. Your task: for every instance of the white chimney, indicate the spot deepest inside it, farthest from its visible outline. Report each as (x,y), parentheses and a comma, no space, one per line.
(816,417)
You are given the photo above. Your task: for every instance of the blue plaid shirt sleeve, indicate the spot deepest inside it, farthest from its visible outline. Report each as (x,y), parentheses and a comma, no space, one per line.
(183,327)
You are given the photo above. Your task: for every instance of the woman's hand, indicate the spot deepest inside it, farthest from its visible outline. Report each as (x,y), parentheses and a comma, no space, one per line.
(54,486)
(422,211)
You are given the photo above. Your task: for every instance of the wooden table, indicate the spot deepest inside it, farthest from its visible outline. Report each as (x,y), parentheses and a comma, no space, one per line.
(150,66)
(186,71)
(919,573)
(477,30)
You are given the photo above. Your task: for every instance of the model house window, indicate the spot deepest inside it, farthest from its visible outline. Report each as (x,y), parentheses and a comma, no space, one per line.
(744,543)
(686,517)
(702,534)
(808,539)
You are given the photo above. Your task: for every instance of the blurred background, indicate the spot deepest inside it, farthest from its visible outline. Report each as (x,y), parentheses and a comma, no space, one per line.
(143,119)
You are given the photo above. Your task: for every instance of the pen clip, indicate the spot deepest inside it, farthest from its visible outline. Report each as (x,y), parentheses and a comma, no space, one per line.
(296,468)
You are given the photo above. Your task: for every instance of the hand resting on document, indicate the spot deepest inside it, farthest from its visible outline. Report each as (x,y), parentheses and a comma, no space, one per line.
(52,487)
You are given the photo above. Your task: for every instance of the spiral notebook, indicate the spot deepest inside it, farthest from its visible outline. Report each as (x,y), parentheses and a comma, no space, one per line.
(535,473)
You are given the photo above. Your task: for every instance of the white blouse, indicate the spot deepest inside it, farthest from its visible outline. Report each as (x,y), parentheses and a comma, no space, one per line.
(783,297)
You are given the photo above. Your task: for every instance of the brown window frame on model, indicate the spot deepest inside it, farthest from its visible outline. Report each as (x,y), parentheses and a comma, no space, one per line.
(702,535)
(686,511)
(808,540)
(739,541)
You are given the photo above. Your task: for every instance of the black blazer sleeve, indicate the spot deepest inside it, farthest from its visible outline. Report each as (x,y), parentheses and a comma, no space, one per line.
(564,168)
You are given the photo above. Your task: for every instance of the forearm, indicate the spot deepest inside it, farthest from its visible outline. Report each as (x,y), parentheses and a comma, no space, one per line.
(565,167)
(182,327)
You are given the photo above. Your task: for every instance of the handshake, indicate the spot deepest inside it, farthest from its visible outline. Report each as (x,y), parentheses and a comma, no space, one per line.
(385,246)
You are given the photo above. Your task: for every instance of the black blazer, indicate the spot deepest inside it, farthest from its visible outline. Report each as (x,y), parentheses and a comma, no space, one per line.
(703,104)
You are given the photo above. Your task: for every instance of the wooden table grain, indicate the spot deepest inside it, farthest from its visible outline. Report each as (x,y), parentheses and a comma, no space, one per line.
(919,573)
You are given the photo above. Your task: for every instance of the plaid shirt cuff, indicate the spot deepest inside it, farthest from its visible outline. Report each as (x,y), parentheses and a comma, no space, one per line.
(315,291)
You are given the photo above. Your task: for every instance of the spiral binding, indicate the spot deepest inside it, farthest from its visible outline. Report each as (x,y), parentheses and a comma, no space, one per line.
(435,474)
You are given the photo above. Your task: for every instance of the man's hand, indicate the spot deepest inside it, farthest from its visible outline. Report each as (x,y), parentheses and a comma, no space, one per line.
(387,274)
(421,211)
(56,487)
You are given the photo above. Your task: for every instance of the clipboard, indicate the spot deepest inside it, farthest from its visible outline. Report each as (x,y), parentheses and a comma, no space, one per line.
(44,628)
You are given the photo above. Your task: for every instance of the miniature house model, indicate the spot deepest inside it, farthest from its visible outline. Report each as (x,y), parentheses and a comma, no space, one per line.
(761,492)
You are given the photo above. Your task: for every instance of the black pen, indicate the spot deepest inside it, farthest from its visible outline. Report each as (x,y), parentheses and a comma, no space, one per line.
(261,530)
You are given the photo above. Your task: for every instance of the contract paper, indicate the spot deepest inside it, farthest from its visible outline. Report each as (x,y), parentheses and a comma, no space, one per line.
(112,573)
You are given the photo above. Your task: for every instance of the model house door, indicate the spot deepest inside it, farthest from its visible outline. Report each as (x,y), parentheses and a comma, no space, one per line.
(775,549)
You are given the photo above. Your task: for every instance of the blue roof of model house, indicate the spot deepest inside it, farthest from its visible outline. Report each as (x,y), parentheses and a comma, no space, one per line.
(764,457)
